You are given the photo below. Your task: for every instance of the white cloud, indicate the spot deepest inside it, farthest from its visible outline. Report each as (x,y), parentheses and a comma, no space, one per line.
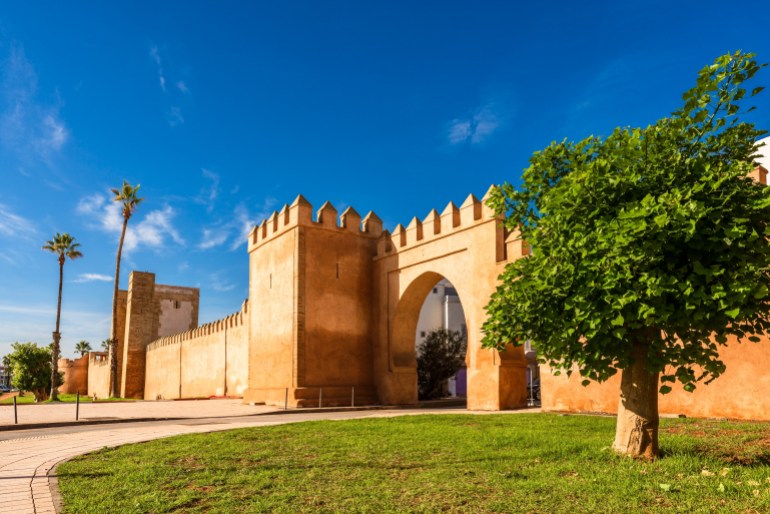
(474,128)
(219,284)
(55,133)
(29,129)
(14,225)
(459,131)
(213,237)
(237,228)
(93,277)
(156,57)
(23,323)
(175,90)
(209,195)
(156,230)
(174,116)
(90,204)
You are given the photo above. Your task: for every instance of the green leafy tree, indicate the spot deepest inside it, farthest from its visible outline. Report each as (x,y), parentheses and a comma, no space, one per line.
(439,357)
(128,197)
(7,366)
(649,249)
(83,347)
(31,369)
(64,247)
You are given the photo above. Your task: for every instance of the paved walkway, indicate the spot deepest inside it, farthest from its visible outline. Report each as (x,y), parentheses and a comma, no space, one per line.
(33,414)
(28,456)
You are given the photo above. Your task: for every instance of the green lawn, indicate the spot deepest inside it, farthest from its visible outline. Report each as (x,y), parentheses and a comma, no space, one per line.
(440,463)
(64,398)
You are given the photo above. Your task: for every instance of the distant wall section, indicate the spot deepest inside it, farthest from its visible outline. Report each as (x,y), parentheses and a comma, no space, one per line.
(152,311)
(98,374)
(75,373)
(211,360)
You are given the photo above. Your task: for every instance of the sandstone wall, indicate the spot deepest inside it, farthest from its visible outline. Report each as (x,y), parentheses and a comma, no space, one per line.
(311,278)
(163,370)
(75,375)
(98,374)
(177,309)
(338,298)
(275,274)
(153,311)
(740,393)
(211,360)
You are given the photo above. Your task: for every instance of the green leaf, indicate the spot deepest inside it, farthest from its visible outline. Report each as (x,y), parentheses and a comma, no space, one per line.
(618,321)
(665,389)
(733,313)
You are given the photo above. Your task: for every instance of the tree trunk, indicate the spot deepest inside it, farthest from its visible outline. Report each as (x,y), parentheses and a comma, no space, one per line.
(636,433)
(57,338)
(113,350)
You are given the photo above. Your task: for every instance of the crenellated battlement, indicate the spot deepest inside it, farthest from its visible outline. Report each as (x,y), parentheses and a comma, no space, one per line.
(300,213)
(236,319)
(452,219)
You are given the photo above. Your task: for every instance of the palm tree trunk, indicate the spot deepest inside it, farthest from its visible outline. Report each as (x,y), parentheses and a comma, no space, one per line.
(56,338)
(113,353)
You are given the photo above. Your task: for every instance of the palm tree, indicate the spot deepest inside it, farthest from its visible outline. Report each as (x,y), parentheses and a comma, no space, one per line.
(127,196)
(83,347)
(64,246)
(106,345)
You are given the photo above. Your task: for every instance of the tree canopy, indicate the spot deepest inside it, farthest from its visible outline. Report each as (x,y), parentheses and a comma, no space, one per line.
(31,368)
(655,234)
(649,248)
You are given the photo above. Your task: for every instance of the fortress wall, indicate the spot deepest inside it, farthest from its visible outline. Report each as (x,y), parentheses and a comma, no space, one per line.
(312,278)
(203,366)
(210,360)
(162,379)
(740,393)
(75,375)
(153,311)
(338,296)
(273,275)
(237,361)
(98,374)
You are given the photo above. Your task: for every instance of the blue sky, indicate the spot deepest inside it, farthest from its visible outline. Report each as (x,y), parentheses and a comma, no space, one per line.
(224,111)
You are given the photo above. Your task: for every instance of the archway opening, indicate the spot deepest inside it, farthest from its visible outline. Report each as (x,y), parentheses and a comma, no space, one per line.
(441,346)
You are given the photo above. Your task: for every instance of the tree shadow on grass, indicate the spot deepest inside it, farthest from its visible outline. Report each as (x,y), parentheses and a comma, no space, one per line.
(744,457)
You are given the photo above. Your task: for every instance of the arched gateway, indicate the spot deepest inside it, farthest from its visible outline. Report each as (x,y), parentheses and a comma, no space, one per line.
(334,305)
(332,311)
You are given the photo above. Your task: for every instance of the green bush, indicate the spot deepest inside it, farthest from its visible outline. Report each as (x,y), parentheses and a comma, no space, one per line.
(439,357)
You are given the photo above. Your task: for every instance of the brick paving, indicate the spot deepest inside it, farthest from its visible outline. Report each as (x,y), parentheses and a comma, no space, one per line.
(31,414)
